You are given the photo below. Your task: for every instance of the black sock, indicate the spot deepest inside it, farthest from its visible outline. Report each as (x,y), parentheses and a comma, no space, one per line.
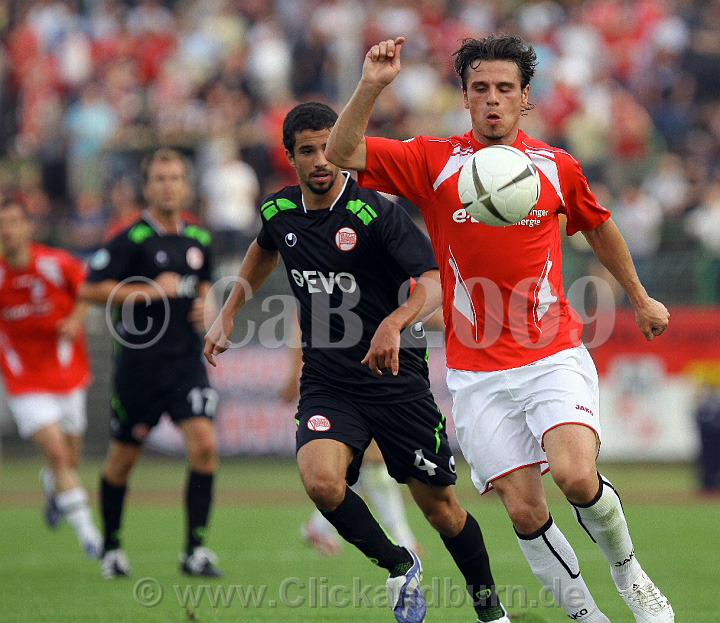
(356,524)
(111,504)
(471,557)
(198,497)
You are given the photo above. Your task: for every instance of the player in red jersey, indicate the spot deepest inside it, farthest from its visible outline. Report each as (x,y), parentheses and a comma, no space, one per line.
(524,387)
(44,364)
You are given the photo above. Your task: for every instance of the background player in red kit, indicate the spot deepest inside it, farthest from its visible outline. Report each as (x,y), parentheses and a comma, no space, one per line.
(44,364)
(524,387)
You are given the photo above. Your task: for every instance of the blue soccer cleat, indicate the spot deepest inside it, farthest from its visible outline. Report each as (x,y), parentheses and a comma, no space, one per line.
(51,512)
(406,596)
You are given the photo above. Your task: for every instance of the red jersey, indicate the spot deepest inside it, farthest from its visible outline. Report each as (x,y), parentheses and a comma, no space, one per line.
(33,302)
(503,299)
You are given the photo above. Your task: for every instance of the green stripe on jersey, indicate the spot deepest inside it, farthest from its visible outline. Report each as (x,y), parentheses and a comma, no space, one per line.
(362,210)
(199,234)
(140,232)
(271,208)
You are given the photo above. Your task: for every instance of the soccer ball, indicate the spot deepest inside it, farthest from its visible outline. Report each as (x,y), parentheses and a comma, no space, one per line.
(499,185)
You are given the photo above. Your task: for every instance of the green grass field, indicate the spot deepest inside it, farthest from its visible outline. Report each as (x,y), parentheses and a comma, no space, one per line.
(270,576)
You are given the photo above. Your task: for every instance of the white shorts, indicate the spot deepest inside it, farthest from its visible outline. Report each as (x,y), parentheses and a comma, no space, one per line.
(34,411)
(501,417)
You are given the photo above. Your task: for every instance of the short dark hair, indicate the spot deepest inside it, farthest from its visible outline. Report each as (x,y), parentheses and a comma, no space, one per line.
(496,48)
(164,154)
(308,116)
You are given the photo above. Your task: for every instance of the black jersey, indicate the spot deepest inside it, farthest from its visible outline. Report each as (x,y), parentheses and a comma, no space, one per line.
(140,253)
(349,266)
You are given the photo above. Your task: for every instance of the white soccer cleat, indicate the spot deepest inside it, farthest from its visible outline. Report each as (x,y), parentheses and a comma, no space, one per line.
(114,564)
(324,542)
(504,619)
(202,563)
(647,603)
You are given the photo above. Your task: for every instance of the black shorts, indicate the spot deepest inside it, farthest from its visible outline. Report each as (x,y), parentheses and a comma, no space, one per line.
(410,435)
(144,391)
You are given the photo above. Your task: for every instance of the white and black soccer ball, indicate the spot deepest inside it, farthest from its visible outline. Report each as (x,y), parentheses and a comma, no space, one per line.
(499,185)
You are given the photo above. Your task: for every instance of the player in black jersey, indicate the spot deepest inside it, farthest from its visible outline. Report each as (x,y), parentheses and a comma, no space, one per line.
(156,275)
(349,254)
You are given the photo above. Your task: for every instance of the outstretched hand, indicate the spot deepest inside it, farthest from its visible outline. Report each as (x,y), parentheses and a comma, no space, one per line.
(382,62)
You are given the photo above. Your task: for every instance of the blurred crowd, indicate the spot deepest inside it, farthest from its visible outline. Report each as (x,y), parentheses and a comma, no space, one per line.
(630,87)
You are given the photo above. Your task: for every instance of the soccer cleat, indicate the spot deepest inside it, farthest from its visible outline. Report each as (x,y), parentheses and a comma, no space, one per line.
(647,603)
(406,596)
(202,562)
(114,564)
(503,619)
(324,543)
(51,512)
(91,543)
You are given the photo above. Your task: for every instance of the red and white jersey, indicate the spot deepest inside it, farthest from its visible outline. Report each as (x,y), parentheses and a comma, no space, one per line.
(503,299)
(33,302)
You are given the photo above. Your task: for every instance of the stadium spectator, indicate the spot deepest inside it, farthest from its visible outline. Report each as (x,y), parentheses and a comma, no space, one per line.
(703,54)
(513,419)
(44,364)
(668,184)
(91,123)
(231,191)
(327,223)
(87,224)
(639,218)
(159,369)
(703,224)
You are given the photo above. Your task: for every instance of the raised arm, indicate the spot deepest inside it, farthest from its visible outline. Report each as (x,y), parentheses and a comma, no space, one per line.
(609,247)
(346,144)
(384,351)
(255,269)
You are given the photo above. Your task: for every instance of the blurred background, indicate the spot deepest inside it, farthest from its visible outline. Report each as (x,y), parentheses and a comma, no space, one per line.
(630,88)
